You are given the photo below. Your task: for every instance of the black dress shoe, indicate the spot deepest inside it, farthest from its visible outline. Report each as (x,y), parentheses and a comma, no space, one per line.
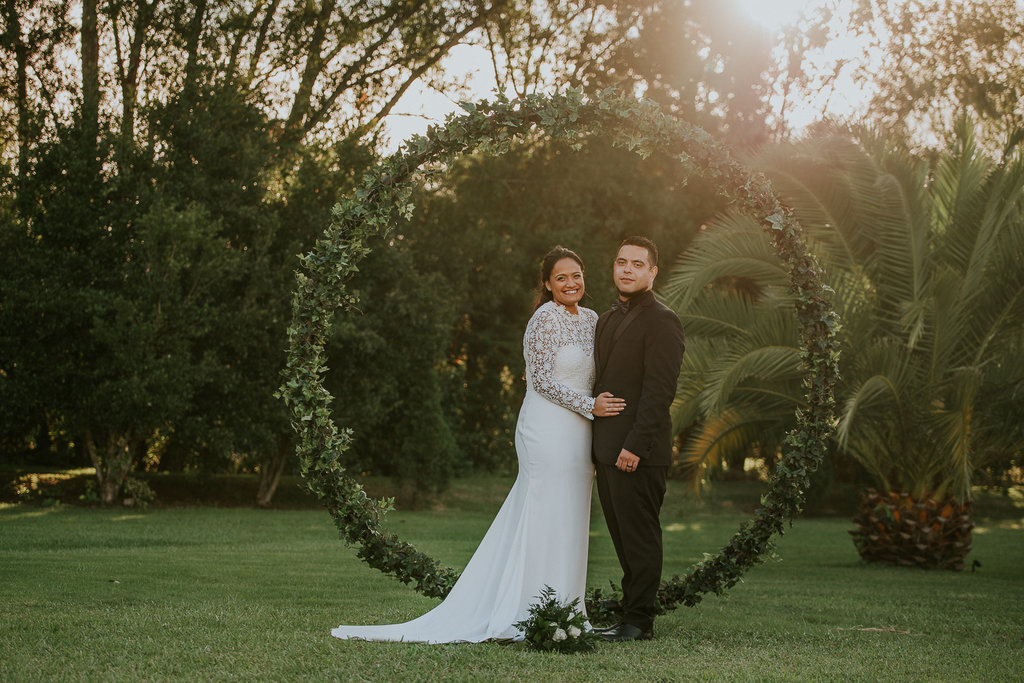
(626,632)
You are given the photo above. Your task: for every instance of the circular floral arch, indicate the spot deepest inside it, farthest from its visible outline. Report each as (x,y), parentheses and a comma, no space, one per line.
(491,127)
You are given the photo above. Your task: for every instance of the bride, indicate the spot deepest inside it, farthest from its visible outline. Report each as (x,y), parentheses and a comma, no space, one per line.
(540,535)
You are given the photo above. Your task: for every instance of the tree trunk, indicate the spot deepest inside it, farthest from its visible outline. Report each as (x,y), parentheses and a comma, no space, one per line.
(113,465)
(43,437)
(144,13)
(270,472)
(17,44)
(193,44)
(90,75)
(893,528)
(295,125)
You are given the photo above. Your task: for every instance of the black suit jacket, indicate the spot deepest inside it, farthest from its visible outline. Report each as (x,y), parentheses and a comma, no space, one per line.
(639,362)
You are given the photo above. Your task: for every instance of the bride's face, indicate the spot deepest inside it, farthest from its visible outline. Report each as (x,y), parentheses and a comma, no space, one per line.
(566,282)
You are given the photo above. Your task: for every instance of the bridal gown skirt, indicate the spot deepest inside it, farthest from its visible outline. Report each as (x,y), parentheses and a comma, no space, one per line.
(539,537)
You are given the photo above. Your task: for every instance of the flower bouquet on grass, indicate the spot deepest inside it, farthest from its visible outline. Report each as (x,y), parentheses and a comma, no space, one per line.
(553,625)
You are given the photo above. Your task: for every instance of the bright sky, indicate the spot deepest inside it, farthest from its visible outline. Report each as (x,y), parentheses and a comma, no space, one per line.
(773,14)
(423,106)
(845,97)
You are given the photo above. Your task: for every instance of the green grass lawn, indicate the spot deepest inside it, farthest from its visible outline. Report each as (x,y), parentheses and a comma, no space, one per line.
(211,594)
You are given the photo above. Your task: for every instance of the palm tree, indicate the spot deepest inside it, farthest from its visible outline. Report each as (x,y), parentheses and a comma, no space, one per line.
(925,256)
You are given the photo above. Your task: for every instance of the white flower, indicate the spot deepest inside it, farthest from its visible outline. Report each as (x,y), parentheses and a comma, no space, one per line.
(559,636)
(574,632)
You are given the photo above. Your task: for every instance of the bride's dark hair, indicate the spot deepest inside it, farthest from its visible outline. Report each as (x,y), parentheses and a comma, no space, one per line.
(546,266)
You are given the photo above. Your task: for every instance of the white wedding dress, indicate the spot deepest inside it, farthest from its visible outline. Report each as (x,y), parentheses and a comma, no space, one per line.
(541,533)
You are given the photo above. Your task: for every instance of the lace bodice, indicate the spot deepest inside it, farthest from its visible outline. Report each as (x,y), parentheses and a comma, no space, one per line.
(559,351)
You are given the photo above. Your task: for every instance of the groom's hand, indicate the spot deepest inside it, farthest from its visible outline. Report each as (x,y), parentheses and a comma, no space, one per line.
(627,462)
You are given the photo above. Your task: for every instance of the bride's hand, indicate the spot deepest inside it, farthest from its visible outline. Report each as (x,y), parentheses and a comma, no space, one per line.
(606,405)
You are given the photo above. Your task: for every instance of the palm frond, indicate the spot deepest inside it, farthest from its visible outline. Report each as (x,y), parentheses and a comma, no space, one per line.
(955,418)
(999,426)
(717,438)
(738,248)
(958,185)
(994,298)
(1005,322)
(901,205)
(692,382)
(878,394)
(822,179)
(948,321)
(779,364)
(718,314)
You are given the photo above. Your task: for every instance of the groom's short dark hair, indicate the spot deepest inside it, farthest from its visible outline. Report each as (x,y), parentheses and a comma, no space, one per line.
(644,242)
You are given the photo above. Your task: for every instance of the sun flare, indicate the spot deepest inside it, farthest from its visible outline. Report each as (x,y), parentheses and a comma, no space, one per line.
(774,14)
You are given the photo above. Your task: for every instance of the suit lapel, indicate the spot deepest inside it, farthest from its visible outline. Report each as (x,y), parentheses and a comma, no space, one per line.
(602,356)
(601,322)
(630,317)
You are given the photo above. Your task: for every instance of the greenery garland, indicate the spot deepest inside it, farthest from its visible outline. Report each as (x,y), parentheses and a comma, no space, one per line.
(491,127)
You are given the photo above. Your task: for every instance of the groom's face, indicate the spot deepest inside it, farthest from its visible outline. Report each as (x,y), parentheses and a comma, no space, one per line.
(632,271)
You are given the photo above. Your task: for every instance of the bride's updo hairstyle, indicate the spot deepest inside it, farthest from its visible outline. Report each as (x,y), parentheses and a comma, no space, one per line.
(546,266)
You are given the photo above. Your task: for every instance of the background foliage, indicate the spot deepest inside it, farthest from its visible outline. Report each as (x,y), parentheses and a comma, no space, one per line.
(154,198)
(925,258)
(163,162)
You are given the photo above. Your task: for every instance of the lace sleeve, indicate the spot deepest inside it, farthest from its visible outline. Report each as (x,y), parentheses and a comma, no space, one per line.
(540,346)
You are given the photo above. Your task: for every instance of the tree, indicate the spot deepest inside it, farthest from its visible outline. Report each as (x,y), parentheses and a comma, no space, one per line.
(704,62)
(179,142)
(925,63)
(388,372)
(124,309)
(925,259)
(560,44)
(33,38)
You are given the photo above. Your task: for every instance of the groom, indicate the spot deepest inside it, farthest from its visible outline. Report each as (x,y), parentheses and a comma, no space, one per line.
(638,348)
